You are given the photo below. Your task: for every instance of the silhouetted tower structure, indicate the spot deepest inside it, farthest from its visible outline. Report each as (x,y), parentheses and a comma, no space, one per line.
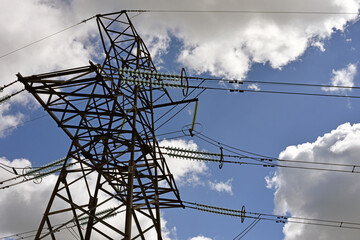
(119,170)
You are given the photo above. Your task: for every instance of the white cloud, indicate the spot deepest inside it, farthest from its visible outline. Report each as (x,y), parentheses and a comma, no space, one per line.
(222,186)
(254,87)
(320,195)
(8,121)
(200,237)
(319,45)
(228,44)
(185,171)
(343,77)
(167,234)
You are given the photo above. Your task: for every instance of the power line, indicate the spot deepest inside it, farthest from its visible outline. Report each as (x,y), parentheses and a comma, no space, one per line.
(241,12)
(219,158)
(172,81)
(248,228)
(33,119)
(33,174)
(46,37)
(243,214)
(233,90)
(276,92)
(180,109)
(30,120)
(274,83)
(272,217)
(261,160)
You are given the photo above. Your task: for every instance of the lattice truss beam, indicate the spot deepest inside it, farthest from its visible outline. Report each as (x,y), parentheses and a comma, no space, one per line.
(120,180)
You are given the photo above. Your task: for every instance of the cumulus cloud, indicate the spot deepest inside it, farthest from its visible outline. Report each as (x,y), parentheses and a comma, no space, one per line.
(320,195)
(185,172)
(342,77)
(254,87)
(319,45)
(8,121)
(200,237)
(231,43)
(222,186)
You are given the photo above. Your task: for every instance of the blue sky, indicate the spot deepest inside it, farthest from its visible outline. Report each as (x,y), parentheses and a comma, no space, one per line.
(295,48)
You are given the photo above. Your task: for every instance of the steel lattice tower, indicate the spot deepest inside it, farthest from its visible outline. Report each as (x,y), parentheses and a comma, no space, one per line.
(111,126)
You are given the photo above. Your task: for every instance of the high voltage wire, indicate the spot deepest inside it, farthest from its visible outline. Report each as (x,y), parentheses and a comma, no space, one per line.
(30,120)
(33,119)
(272,217)
(54,167)
(268,161)
(241,12)
(248,228)
(242,214)
(166,80)
(46,37)
(34,173)
(265,162)
(275,92)
(224,89)
(274,83)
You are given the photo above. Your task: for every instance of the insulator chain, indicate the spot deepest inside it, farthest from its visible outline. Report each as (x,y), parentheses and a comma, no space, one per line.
(191,154)
(222,211)
(146,78)
(46,166)
(39,173)
(4,98)
(7,97)
(150,74)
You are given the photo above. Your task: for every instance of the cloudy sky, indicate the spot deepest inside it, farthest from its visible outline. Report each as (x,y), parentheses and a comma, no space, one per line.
(303,42)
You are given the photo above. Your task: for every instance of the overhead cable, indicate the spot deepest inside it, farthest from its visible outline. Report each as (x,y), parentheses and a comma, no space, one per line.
(166,80)
(241,11)
(33,174)
(242,214)
(46,37)
(189,154)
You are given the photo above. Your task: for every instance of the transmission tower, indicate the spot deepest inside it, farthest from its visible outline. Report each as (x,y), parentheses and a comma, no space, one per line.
(121,180)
